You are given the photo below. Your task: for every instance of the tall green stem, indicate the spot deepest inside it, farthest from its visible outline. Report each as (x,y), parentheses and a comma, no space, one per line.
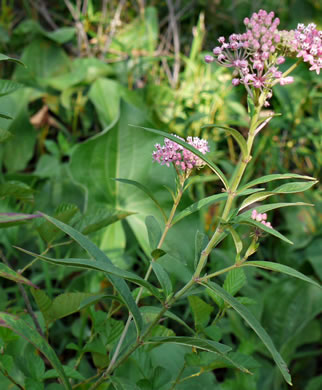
(147,275)
(240,169)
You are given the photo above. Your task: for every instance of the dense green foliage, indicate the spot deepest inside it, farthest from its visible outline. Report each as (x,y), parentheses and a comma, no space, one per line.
(83,208)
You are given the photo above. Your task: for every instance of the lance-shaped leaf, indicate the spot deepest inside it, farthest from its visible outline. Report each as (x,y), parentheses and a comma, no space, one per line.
(268,207)
(254,324)
(24,330)
(280,268)
(210,164)
(209,200)
(163,278)
(145,190)
(8,273)
(235,134)
(3,57)
(288,188)
(12,219)
(269,230)
(203,344)
(108,268)
(268,178)
(103,263)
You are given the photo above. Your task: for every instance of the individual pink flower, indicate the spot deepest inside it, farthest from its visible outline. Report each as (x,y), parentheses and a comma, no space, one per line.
(260,218)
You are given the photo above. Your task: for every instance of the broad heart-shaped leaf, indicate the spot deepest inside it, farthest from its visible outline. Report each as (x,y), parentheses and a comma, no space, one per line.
(12,219)
(123,151)
(235,134)
(280,268)
(103,263)
(254,324)
(202,344)
(147,191)
(8,273)
(24,330)
(210,164)
(268,178)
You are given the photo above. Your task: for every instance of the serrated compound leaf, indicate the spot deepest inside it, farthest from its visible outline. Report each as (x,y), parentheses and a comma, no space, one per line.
(154,231)
(254,324)
(8,273)
(42,299)
(219,349)
(277,267)
(201,312)
(24,330)
(234,281)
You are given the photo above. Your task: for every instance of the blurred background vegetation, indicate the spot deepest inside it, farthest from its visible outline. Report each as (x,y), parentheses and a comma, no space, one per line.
(94,67)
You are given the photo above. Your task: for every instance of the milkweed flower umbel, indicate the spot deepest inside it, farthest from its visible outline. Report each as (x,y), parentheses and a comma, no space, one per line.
(183,159)
(256,54)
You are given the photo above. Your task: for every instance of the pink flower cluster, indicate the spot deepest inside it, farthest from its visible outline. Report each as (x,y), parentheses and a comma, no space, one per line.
(257,53)
(171,152)
(261,218)
(308,45)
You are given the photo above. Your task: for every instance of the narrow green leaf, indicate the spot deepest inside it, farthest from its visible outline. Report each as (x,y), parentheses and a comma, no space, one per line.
(8,273)
(237,241)
(273,232)
(210,164)
(12,219)
(108,268)
(157,253)
(268,207)
(102,263)
(163,278)
(145,190)
(201,241)
(280,268)
(156,310)
(250,106)
(298,186)
(268,178)
(3,57)
(235,134)
(254,324)
(2,115)
(206,345)
(24,330)
(203,344)
(234,281)
(154,231)
(255,198)
(209,200)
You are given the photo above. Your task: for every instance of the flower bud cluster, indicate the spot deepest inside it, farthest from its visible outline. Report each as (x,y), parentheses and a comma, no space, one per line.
(261,218)
(182,158)
(256,54)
